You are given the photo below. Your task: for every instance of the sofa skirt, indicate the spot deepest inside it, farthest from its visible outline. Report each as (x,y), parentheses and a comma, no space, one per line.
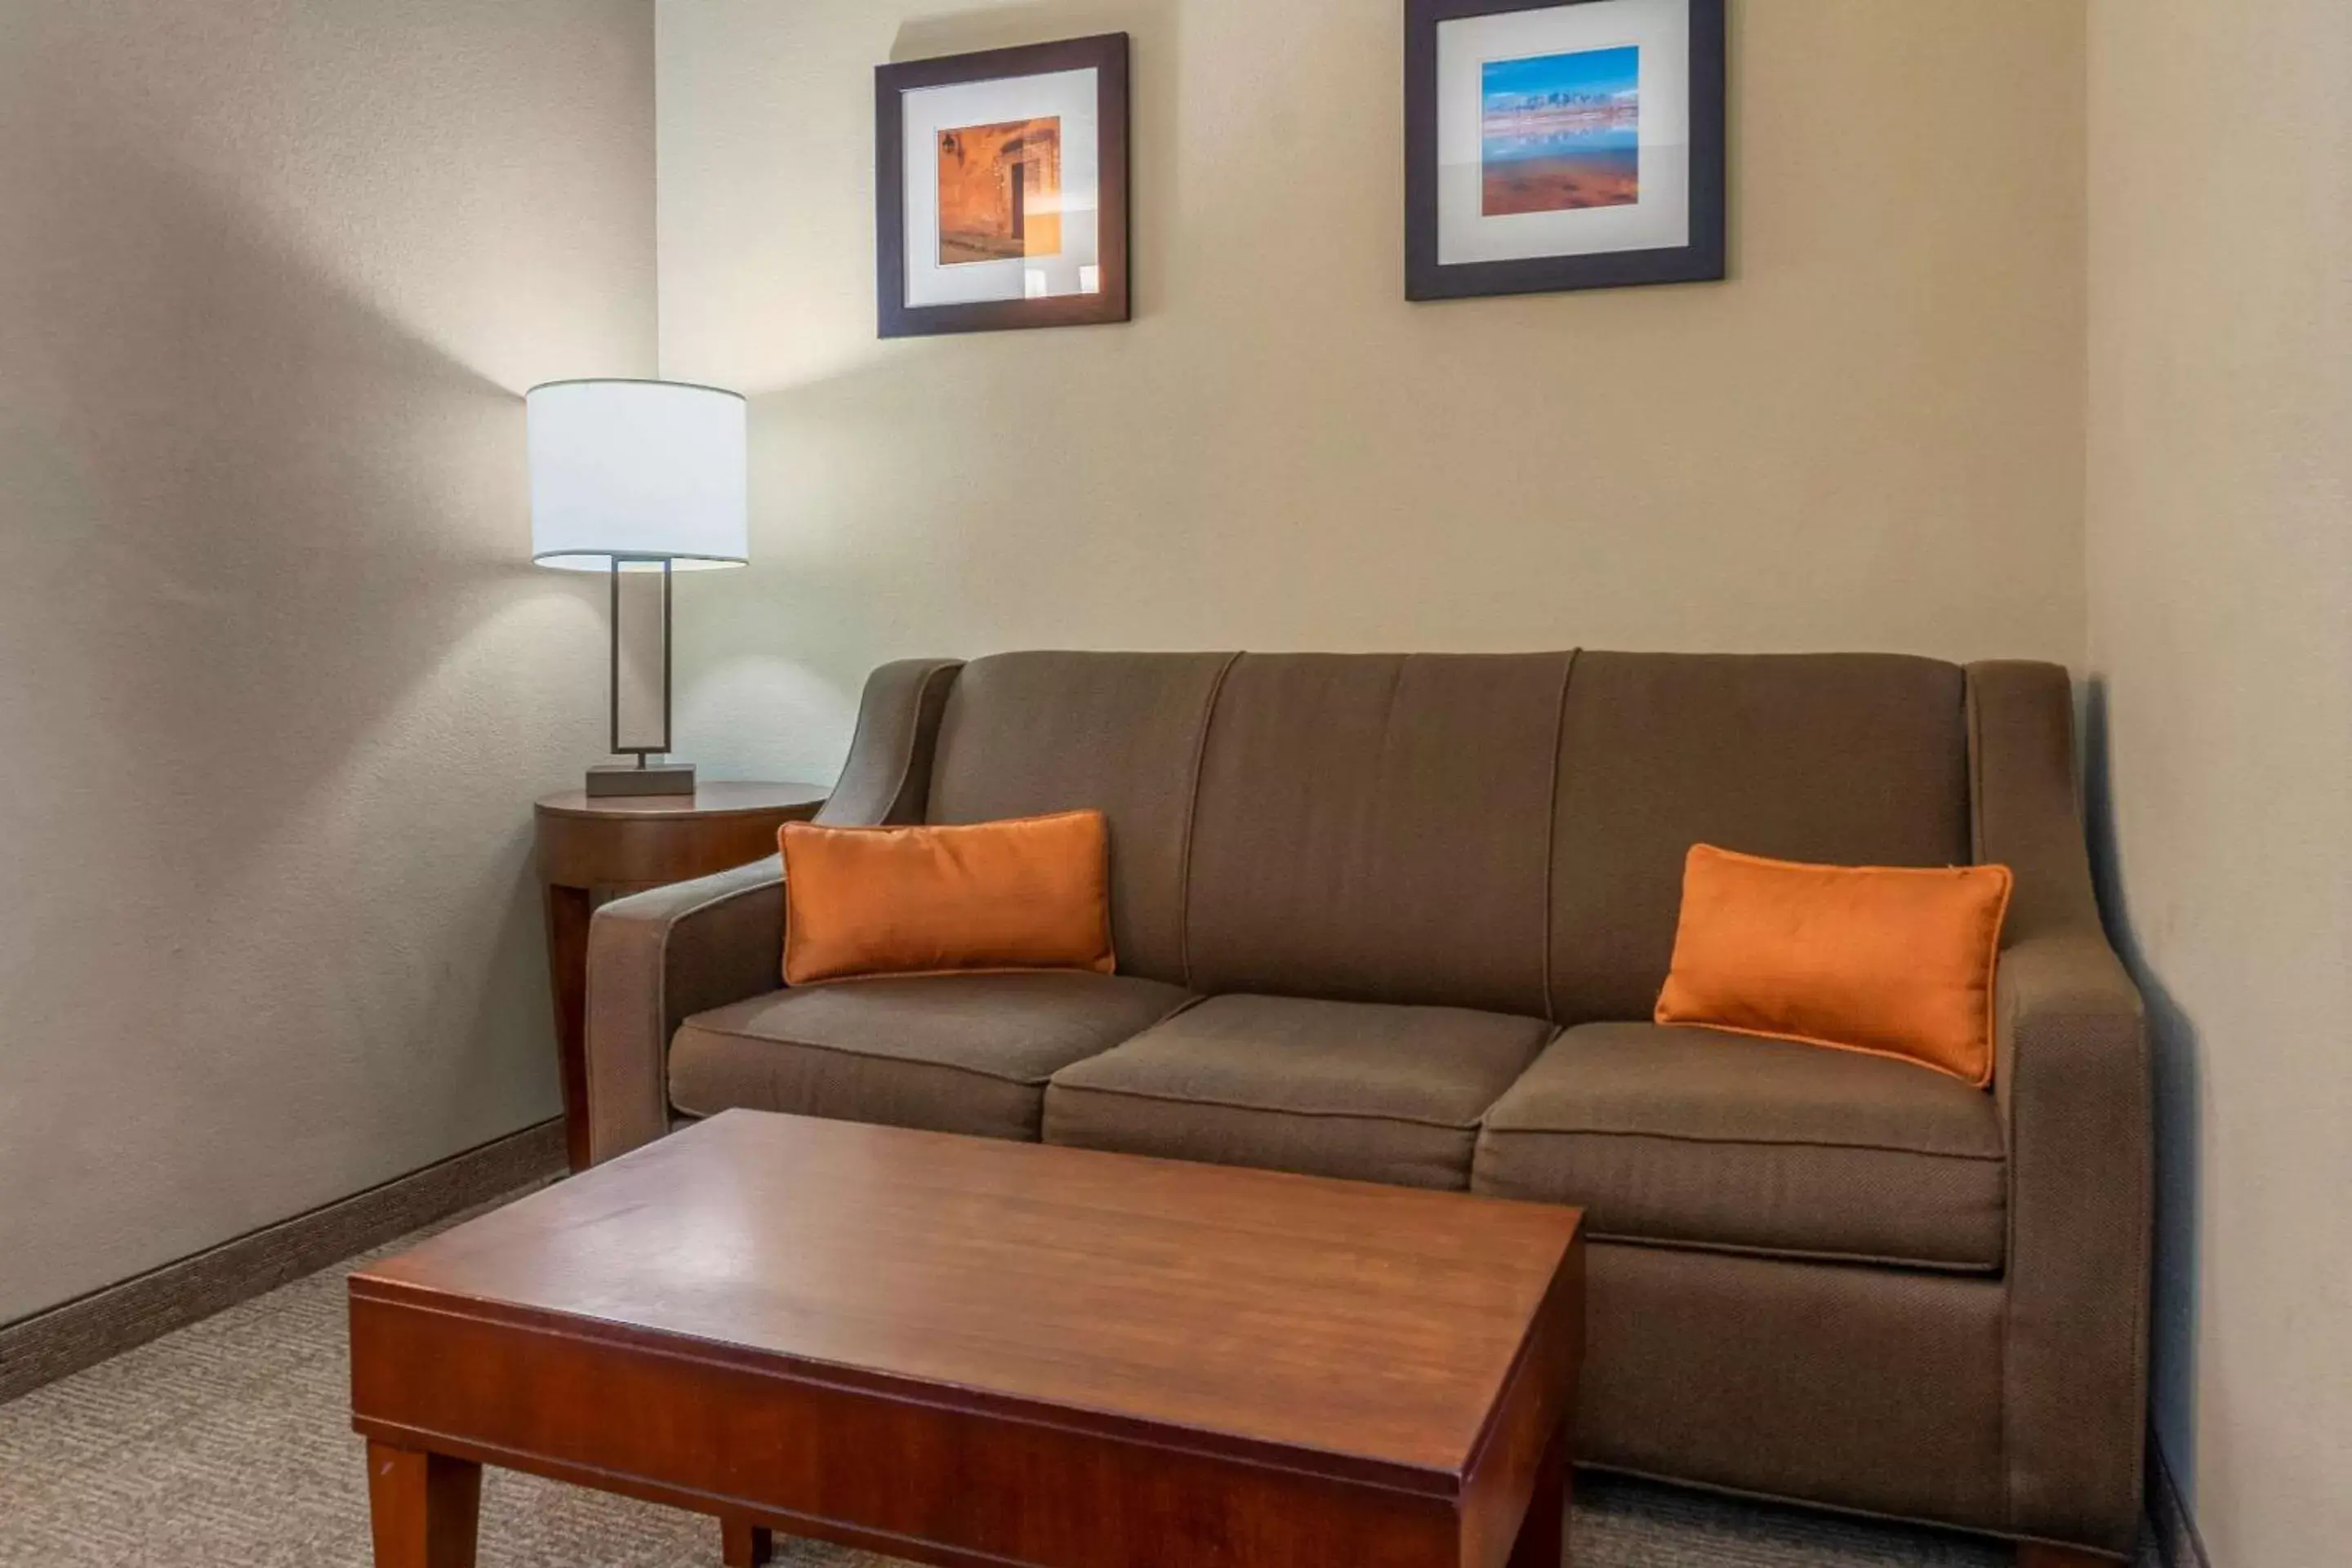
(1869,1388)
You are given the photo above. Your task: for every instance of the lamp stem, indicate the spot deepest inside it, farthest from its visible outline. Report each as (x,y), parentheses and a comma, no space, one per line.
(668,663)
(647,777)
(668,581)
(613,676)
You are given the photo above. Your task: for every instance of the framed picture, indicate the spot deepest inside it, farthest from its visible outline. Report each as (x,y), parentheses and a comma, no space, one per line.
(1001,189)
(1562,144)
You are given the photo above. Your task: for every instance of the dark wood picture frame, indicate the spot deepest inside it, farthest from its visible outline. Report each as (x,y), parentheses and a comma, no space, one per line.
(1702,260)
(1106,54)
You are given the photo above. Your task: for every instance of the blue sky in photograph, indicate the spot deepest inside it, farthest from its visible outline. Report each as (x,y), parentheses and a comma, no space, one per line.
(1587,72)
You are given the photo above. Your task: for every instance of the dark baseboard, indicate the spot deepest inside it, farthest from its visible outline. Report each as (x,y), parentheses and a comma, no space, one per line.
(88,1330)
(2176,1540)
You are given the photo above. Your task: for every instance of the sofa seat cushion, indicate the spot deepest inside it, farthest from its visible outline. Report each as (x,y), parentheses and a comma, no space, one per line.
(1366,1090)
(951,1053)
(1686,1137)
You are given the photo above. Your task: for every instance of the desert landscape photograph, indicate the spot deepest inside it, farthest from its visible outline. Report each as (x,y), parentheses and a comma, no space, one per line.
(1560,132)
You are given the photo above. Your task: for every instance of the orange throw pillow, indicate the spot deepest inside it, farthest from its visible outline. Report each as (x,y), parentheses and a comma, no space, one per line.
(1031,893)
(1895,960)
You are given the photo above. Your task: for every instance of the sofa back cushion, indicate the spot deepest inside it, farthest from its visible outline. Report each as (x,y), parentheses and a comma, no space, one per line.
(1495,831)
(1029,733)
(1845,759)
(1374,827)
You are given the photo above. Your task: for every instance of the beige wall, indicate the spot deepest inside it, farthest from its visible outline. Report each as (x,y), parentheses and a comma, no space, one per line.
(1872,438)
(2221,645)
(276,690)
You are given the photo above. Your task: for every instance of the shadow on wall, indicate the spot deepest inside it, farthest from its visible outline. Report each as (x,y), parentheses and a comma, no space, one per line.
(1034,22)
(773,657)
(226,452)
(832,559)
(2174,1048)
(253,543)
(849,544)
(833,550)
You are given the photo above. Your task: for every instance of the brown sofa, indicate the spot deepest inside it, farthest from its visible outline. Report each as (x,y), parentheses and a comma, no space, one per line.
(1403,919)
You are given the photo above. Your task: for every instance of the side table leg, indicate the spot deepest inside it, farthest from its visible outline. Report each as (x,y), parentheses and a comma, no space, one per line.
(744,1545)
(425,1508)
(1543,1533)
(568,909)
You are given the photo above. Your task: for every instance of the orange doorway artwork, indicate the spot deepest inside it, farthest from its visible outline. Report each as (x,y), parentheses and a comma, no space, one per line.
(1000,190)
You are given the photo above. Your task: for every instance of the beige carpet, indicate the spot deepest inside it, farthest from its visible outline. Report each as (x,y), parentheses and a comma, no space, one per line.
(230,1443)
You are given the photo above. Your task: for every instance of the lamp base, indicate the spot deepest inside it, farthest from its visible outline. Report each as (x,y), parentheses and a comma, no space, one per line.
(628,778)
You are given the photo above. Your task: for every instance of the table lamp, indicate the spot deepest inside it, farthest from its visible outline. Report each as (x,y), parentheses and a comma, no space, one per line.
(637,476)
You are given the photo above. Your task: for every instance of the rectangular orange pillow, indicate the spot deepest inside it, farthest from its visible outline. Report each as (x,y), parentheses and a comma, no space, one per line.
(1031,893)
(1894,961)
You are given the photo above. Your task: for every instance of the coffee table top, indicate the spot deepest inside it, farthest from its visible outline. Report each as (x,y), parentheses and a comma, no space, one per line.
(1340,1318)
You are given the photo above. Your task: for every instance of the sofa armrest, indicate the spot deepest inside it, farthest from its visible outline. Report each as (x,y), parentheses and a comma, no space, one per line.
(2071,1074)
(656,958)
(653,959)
(888,777)
(2072,1077)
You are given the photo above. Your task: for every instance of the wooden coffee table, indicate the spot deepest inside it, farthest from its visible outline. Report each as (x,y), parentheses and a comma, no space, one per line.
(972,1352)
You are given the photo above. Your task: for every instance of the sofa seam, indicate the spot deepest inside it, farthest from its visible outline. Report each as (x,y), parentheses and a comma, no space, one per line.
(2010,1140)
(865,1056)
(954,670)
(1551,832)
(1972,725)
(1499,1131)
(1789,1498)
(920,1061)
(1193,818)
(856,733)
(1972,719)
(1796,1254)
(1469,1127)
(897,787)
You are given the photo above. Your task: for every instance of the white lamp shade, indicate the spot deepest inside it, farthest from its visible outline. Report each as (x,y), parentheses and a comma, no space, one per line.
(649,468)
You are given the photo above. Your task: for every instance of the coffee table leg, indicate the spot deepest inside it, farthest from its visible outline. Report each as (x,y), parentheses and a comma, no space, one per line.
(425,1508)
(1543,1533)
(744,1545)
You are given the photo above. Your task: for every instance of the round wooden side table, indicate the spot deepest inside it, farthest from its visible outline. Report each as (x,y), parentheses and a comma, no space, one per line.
(595,850)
